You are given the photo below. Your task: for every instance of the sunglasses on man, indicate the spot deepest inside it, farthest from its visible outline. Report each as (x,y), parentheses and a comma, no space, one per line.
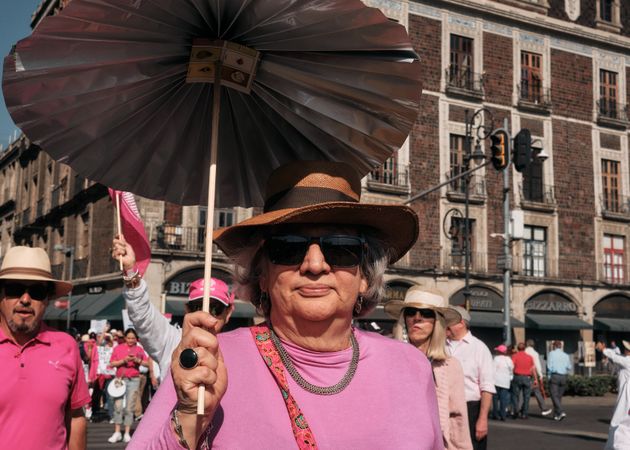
(425,313)
(339,250)
(39,291)
(217,308)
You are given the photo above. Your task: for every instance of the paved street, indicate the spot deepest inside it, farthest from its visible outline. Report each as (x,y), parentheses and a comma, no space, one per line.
(585,428)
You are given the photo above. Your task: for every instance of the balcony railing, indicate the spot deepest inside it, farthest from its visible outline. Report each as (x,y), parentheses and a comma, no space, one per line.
(613,273)
(538,193)
(610,110)
(464,81)
(391,174)
(456,190)
(455,259)
(177,237)
(533,96)
(615,205)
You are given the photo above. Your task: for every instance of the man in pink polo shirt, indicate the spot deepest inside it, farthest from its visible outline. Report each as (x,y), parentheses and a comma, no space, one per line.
(42,385)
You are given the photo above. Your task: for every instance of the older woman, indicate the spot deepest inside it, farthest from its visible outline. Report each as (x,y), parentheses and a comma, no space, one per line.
(311,262)
(422,319)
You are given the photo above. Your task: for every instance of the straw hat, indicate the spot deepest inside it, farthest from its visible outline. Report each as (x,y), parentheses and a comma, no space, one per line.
(322,192)
(417,297)
(33,264)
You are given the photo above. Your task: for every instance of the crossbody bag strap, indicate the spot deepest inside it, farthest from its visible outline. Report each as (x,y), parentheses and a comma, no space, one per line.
(301,430)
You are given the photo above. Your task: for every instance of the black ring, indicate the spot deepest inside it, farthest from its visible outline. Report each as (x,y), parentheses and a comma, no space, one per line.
(188,358)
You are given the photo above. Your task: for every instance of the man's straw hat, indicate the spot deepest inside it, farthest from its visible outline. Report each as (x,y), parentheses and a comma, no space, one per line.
(33,264)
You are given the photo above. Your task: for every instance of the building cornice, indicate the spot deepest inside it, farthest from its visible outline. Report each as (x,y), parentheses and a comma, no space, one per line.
(528,20)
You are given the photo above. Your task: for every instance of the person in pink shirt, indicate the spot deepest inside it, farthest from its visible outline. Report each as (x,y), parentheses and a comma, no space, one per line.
(422,319)
(42,384)
(306,378)
(127,359)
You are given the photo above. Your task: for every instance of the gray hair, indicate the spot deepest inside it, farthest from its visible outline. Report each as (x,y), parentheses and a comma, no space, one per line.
(249,269)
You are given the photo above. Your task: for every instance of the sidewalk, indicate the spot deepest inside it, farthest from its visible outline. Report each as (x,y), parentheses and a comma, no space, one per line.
(585,427)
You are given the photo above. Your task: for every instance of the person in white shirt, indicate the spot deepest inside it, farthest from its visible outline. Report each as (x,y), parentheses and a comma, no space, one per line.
(619,431)
(155,331)
(503,374)
(476,360)
(536,387)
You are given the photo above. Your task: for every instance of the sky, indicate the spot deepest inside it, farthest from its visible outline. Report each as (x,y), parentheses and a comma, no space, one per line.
(15,20)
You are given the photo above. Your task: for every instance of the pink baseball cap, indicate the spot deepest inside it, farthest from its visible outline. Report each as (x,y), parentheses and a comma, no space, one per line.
(501,348)
(218,290)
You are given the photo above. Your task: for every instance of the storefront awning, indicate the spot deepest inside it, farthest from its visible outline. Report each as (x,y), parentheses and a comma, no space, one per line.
(556,322)
(107,305)
(490,319)
(241,309)
(612,324)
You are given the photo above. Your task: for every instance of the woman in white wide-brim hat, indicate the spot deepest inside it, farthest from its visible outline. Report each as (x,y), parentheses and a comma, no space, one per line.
(422,320)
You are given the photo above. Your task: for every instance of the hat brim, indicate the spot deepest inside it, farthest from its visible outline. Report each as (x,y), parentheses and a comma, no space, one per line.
(395,307)
(396,225)
(201,298)
(626,344)
(61,287)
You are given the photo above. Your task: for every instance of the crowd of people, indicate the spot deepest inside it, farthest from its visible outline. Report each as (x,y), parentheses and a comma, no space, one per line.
(113,356)
(311,264)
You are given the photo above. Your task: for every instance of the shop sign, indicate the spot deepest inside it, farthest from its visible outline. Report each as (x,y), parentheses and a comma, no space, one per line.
(481,299)
(550,303)
(613,306)
(179,284)
(396,291)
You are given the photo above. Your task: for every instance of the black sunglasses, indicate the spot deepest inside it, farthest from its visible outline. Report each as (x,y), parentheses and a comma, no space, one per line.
(425,313)
(35,291)
(339,250)
(216,307)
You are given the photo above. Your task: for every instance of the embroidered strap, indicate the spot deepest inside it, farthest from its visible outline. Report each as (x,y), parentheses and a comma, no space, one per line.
(302,432)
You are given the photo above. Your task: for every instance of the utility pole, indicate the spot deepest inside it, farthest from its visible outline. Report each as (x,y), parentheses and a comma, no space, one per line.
(507,253)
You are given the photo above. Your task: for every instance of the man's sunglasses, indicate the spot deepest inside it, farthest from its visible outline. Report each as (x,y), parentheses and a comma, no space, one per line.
(35,291)
(425,313)
(216,307)
(339,250)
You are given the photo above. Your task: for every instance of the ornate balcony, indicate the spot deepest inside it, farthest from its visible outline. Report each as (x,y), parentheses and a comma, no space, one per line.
(537,197)
(615,207)
(389,178)
(456,190)
(534,98)
(462,82)
(612,114)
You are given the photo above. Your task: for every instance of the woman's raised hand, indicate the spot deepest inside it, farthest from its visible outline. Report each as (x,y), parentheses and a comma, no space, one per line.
(120,248)
(210,372)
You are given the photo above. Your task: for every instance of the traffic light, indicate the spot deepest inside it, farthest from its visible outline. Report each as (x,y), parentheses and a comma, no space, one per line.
(522,149)
(500,149)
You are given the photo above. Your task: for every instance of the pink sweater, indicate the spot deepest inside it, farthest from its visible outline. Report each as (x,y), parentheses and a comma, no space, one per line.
(390,403)
(449,385)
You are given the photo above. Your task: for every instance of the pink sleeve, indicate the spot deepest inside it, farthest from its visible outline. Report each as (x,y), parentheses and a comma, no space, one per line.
(79,395)
(155,418)
(459,432)
(93,364)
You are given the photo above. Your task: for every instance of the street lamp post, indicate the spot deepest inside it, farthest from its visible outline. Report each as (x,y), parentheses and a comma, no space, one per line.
(69,253)
(474,123)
